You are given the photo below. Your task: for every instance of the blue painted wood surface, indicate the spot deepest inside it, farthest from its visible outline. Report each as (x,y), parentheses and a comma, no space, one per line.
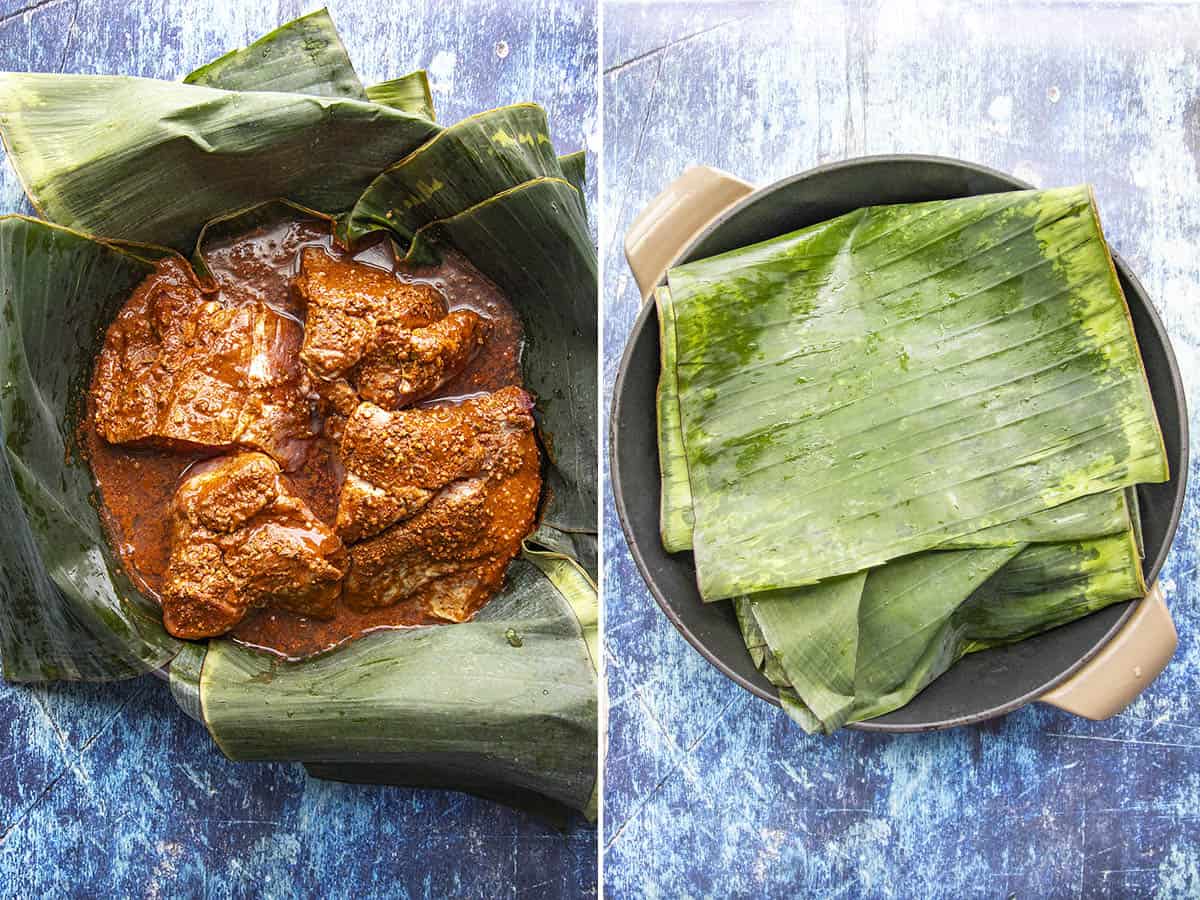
(713,793)
(109,790)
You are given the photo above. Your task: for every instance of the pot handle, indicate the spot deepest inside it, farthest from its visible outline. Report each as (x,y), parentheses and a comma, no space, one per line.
(1111,679)
(672,219)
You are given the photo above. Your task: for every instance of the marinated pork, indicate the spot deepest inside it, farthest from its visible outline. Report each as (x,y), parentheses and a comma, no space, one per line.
(240,538)
(390,341)
(413,364)
(247,462)
(180,371)
(438,501)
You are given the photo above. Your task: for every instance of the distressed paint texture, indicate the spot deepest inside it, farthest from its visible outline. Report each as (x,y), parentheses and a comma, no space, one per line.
(713,793)
(109,790)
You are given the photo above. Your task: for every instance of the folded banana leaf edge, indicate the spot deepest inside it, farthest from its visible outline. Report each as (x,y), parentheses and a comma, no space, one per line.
(286,126)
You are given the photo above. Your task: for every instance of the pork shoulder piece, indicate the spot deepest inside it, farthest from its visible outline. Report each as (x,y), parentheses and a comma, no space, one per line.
(347,305)
(240,539)
(438,500)
(388,341)
(413,364)
(180,371)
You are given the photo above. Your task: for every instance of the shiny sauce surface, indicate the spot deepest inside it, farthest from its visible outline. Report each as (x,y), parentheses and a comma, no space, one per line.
(136,486)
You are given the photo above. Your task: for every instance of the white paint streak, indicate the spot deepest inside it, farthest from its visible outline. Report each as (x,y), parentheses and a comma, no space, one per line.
(441,72)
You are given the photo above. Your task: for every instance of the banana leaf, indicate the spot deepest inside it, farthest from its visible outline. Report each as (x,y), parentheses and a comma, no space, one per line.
(830,378)
(812,633)
(752,636)
(578,589)
(67,611)
(1088,517)
(1044,586)
(675,503)
(579,592)
(574,170)
(807,639)
(905,608)
(920,615)
(516,709)
(305,56)
(499,149)
(102,154)
(408,92)
(1049,585)
(798,712)
(1135,517)
(87,148)
(756,642)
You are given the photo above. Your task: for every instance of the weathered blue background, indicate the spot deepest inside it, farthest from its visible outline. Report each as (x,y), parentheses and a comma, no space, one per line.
(110,790)
(713,793)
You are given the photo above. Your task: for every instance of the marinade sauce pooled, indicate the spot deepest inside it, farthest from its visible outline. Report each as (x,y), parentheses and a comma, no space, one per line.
(251,273)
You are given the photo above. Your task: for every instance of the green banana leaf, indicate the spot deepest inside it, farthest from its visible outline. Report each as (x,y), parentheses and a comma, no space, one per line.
(499,149)
(812,633)
(66,611)
(840,645)
(574,169)
(823,401)
(920,615)
(520,707)
(305,56)
(905,606)
(676,519)
(1088,517)
(1044,586)
(100,153)
(1049,585)
(516,709)
(578,589)
(839,649)
(752,636)
(798,712)
(408,92)
(1135,517)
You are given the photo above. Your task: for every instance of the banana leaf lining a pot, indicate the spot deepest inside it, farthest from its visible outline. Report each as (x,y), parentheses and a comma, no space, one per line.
(128,170)
(986,684)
